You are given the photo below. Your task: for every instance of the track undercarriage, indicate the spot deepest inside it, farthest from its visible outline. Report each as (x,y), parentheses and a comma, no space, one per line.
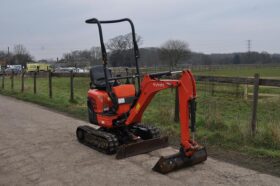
(126,141)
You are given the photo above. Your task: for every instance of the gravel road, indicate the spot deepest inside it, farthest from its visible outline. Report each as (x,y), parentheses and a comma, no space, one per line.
(39,147)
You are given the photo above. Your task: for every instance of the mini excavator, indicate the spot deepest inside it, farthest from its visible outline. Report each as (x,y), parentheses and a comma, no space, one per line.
(116,111)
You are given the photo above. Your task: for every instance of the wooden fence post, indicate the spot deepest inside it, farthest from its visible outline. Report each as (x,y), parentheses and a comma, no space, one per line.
(34,83)
(237,90)
(246,91)
(133,79)
(3,81)
(255,103)
(176,110)
(212,88)
(22,81)
(127,74)
(50,84)
(12,80)
(71,86)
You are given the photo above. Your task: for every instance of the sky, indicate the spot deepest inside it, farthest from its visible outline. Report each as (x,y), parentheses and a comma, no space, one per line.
(50,28)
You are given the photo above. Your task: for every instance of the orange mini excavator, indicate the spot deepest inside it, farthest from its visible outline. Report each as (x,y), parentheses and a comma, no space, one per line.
(116,111)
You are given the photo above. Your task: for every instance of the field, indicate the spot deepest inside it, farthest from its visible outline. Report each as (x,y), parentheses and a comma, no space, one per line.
(223,116)
(265,72)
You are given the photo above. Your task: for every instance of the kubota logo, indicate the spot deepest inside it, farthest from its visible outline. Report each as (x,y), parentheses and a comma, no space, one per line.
(158,84)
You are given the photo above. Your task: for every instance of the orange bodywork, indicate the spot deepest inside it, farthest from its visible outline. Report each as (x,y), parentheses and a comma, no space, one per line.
(102,102)
(122,92)
(149,87)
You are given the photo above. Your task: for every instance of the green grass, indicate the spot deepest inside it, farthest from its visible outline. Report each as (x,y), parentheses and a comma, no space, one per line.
(224,121)
(61,94)
(265,72)
(223,118)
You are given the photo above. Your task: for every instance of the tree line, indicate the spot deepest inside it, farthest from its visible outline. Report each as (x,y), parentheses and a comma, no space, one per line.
(120,53)
(18,56)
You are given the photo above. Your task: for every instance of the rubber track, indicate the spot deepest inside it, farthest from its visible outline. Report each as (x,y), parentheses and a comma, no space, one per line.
(154,131)
(99,140)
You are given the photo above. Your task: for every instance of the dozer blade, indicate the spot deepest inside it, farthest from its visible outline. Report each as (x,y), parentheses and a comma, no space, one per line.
(179,160)
(141,147)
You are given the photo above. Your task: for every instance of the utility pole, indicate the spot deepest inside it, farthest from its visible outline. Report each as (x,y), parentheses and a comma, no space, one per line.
(8,57)
(249,43)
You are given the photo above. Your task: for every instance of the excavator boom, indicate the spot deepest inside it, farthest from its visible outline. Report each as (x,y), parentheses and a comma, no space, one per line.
(190,152)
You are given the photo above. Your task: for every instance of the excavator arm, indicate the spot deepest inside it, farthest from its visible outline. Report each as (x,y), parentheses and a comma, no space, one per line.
(190,152)
(187,93)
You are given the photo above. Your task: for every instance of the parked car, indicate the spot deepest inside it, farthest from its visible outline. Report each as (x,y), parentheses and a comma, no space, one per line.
(66,69)
(11,70)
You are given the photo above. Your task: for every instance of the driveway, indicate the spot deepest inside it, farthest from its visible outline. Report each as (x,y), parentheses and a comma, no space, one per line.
(39,147)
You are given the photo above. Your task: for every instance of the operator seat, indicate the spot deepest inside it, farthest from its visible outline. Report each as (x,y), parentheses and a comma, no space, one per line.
(122,96)
(97,78)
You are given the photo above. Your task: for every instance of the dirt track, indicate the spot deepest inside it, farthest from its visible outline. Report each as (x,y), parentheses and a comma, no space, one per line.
(39,147)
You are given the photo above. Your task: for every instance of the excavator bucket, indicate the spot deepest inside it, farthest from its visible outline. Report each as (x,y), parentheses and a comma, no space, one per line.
(141,147)
(179,160)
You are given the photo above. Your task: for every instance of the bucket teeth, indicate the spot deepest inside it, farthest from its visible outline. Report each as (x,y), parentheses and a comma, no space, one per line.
(179,160)
(141,147)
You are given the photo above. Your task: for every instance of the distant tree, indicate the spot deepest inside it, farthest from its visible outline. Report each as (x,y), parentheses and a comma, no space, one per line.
(174,51)
(150,57)
(121,49)
(21,55)
(95,55)
(3,59)
(69,58)
(275,58)
(236,59)
(123,42)
(83,58)
(207,60)
(265,57)
(2,54)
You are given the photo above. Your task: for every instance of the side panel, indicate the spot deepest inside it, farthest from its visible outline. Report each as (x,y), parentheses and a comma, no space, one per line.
(99,100)
(92,117)
(122,92)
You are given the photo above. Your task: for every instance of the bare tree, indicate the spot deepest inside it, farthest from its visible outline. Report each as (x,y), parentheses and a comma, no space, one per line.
(120,48)
(95,53)
(21,55)
(174,51)
(19,49)
(123,42)
(83,58)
